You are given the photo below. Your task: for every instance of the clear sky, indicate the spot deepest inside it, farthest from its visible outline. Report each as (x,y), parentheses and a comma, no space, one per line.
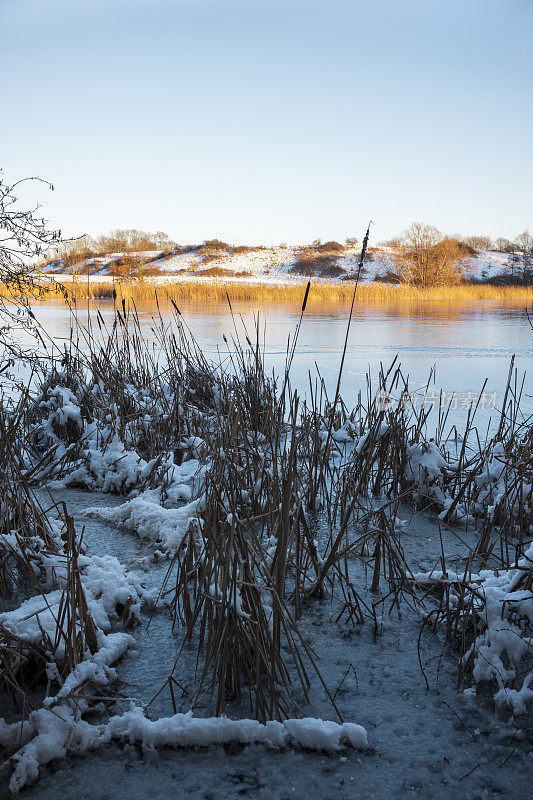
(266,121)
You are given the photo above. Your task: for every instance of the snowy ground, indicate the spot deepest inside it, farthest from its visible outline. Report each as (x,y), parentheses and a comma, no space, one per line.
(275,264)
(422,743)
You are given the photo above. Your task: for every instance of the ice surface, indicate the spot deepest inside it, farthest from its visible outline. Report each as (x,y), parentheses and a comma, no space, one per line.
(421,743)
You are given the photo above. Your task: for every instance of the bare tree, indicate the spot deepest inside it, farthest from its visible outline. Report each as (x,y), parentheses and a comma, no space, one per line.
(506,245)
(24,237)
(425,257)
(520,262)
(525,242)
(75,251)
(478,242)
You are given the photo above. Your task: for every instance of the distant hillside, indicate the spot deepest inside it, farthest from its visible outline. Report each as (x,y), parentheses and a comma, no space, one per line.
(288,263)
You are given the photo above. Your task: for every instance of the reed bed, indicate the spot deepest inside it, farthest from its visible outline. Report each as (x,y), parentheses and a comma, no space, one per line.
(323,293)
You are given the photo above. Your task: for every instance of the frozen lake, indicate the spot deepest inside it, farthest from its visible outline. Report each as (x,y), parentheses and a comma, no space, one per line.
(393,675)
(466,344)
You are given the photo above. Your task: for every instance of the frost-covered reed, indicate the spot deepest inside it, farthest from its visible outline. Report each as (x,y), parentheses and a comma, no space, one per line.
(260,499)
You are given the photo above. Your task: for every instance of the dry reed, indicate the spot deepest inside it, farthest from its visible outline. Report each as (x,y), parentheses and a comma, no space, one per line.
(323,293)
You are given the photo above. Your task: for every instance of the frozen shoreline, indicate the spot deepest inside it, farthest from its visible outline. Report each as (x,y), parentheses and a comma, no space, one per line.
(275,571)
(421,743)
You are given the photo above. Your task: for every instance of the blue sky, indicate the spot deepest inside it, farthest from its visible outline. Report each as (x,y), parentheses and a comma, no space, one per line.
(271,121)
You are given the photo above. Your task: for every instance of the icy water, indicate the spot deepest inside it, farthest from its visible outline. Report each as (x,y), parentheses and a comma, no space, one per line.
(465,344)
(424,741)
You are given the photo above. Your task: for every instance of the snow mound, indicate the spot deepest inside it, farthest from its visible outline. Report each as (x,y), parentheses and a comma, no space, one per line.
(63,732)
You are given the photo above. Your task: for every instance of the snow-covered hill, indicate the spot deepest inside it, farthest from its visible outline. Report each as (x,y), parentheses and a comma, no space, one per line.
(274,264)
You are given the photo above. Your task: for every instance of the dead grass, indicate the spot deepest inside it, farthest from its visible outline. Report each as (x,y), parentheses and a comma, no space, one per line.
(324,293)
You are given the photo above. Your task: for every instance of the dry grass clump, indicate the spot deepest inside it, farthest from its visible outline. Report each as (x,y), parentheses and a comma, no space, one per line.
(242,249)
(32,539)
(25,534)
(332,247)
(152,271)
(213,250)
(127,267)
(320,261)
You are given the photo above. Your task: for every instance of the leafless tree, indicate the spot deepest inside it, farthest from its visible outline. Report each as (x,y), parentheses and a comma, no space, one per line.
(479,242)
(506,245)
(525,242)
(426,257)
(24,237)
